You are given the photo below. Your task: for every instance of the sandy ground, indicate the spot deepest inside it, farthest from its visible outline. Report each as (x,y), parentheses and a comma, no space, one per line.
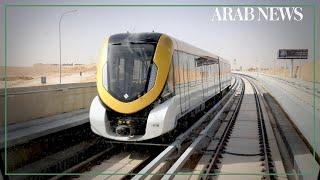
(31,76)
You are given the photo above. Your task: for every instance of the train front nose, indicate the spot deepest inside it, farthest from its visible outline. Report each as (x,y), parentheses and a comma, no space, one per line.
(123,130)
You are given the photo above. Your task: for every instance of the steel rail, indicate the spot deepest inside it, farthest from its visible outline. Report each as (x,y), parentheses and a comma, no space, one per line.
(181,138)
(225,134)
(263,132)
(74,168)
(189,151)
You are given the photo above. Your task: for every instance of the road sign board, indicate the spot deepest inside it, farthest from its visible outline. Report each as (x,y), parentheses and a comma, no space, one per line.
(293,54)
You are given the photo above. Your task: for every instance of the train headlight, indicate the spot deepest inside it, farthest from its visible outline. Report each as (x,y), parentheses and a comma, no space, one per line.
(153,76)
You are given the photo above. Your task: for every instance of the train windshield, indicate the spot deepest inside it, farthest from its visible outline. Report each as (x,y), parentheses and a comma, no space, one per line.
(127,69)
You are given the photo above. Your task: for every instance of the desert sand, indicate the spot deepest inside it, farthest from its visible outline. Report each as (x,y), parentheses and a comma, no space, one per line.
(31,76)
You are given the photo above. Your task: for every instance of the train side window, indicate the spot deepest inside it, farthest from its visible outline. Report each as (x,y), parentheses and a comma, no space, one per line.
(195,70)
(170,79)
(169,89)
(210,74)
(215,72)
(185,64)
(198,68)
(176,73)
(191,70)
(223,72)
(181,70)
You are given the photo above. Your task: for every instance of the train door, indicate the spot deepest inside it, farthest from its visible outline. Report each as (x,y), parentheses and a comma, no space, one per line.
(207,80)
(183,77)
(222,75)
(215,78)
(191,80)
(204,80)
(219,75)
(187,71)
(204,84)
(198,82)
(202,87)
(177,77)
(210,80)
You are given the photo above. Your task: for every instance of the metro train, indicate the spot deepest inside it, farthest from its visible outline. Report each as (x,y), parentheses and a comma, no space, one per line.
(148,82)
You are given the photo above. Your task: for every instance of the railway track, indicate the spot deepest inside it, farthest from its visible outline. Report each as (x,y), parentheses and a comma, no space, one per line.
(231,138)
(118,166)
(167,164)
(119,163)
(244,146)
(239,146)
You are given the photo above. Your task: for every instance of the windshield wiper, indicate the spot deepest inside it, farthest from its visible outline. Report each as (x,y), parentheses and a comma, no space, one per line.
(142,42)
(136,42)
(116,43)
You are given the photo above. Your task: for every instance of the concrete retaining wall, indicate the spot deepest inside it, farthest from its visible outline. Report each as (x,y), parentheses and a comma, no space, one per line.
(305,72)
(29,103)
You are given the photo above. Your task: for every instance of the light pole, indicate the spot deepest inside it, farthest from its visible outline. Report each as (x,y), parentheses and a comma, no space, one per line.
(62,15)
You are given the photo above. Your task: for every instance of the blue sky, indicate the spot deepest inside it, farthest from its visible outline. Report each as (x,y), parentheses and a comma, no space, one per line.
(33,31)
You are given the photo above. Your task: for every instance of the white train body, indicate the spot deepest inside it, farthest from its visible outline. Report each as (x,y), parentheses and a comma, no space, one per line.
(179,80)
